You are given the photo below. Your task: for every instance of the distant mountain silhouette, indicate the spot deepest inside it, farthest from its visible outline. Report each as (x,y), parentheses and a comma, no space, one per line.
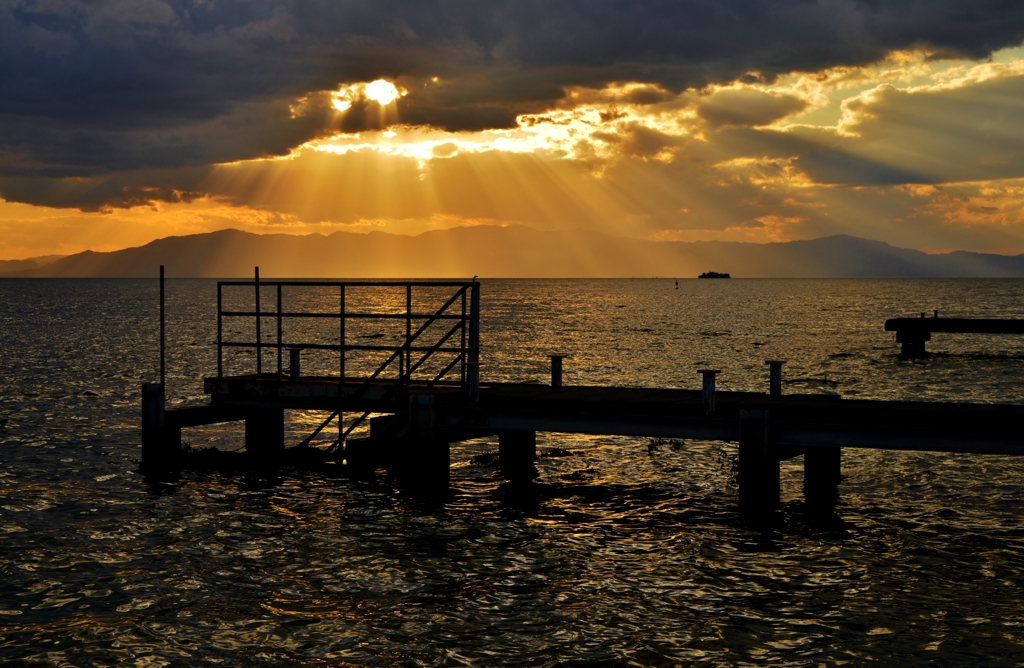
(514,251)
(9,266)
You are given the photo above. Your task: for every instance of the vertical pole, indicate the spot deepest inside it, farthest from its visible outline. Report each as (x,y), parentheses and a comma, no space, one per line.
(220,331)
(474,343)
(162,337)
(341,333)
(259,340)
(775,377)
(341,364)
(408,330)
(556,370)
(708,398)
(462,348)
(294,369)
(278,329)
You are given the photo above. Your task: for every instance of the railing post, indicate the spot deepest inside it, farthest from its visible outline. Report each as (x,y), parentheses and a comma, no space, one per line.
(294,362)
(462,348)
(341,334)
(259,342)
(408,332)
(220,330)
(473,367)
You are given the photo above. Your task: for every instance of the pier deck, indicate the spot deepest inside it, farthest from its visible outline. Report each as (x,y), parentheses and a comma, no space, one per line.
(796,420)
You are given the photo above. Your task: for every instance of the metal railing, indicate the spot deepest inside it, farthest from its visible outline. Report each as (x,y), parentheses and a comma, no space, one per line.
(458,345)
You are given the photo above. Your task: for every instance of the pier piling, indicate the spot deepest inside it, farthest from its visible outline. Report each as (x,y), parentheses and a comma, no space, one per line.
(161,444)
(517,452)
(417,457)
(264,433)
(822,472)
(758,475)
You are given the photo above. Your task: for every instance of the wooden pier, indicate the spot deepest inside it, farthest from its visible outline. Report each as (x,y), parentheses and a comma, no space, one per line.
(913,333)
(415,416)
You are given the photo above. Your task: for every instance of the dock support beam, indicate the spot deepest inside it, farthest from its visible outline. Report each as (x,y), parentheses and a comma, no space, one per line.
(822,472)
(912,342)
(517,452)
(264,434)
(759,467)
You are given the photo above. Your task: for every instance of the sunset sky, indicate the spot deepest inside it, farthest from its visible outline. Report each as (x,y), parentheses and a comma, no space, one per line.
(122,121)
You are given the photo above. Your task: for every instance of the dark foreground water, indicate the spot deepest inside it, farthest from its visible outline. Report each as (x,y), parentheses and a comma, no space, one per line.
(620,553)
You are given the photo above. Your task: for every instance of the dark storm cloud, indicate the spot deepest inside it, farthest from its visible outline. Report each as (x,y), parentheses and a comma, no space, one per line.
(99,86)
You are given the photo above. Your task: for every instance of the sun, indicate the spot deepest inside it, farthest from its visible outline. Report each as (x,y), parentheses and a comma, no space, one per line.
(382,92)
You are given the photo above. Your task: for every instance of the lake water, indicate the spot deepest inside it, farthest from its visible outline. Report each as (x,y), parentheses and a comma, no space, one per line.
(618,554)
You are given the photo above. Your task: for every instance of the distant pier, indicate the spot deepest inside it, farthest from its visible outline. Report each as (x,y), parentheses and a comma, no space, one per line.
(426,393)
(913,333)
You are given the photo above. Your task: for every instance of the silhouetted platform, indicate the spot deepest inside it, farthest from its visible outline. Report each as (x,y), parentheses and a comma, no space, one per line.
(795,420)
(912,333)
(420,390)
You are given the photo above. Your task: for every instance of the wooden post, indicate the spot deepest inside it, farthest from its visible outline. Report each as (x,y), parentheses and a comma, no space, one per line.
(822,473)
(517,453)
(708,399)
(775,377)
(758,469)
(556,370)
(161,445)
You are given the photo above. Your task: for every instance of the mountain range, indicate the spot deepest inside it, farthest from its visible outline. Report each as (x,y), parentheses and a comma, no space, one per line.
(509,251)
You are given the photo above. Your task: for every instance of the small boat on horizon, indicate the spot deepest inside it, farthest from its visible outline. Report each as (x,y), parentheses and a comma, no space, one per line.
(713,274)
